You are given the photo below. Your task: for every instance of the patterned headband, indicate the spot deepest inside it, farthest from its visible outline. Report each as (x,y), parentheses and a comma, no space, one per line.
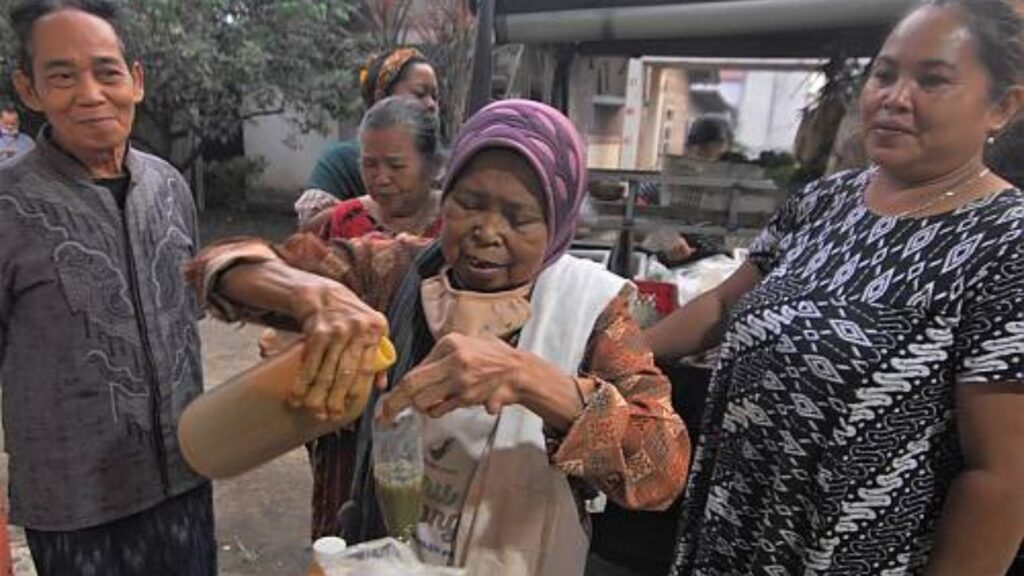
(375,83)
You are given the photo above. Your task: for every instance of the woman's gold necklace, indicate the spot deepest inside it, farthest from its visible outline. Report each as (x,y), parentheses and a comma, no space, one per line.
(951,192)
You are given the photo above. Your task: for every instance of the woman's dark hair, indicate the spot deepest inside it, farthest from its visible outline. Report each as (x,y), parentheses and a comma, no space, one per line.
(708,130)
(24,15)
(998,29)
(409,112)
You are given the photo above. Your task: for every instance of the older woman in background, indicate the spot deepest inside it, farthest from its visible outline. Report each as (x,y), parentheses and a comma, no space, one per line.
(400,157)
(336,175)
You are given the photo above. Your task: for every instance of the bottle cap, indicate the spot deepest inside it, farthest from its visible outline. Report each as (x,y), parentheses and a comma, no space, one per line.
(328,549)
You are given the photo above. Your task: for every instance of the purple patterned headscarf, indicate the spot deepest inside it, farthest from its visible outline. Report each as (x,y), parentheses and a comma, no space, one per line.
(549,142)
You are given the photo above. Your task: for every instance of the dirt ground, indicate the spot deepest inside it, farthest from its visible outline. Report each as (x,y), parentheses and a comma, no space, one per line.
(262,517)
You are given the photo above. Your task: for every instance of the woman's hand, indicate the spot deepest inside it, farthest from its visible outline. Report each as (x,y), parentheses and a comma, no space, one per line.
(342,332)
(460,371)
(463,371)
(342,338)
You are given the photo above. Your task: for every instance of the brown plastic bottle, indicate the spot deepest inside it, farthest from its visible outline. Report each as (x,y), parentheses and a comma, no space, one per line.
(247,421)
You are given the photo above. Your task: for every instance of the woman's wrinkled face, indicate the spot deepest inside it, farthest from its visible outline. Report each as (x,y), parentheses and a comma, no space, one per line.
(393,171)
(420,82)
(81,82)
(927,107)
(495,233)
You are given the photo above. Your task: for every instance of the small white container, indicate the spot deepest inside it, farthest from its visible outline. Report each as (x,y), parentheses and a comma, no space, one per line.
(329,552)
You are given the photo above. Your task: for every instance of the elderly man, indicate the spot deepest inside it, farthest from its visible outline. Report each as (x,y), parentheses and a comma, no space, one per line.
(12,141)
(99,349)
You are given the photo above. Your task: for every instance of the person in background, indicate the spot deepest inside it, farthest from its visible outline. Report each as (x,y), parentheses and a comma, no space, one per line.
(12,142)
(707,139)
(99,347)
(867,412)
(400,157)
(533,378)
(336,175)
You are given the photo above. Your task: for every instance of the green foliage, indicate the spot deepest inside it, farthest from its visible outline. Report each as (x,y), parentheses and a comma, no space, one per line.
(212,64)
(8,55)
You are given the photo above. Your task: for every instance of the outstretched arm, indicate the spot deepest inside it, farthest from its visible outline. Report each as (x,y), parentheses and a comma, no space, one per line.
(700,324)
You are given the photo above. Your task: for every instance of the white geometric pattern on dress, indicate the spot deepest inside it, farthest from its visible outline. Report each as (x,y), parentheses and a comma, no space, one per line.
(829,436)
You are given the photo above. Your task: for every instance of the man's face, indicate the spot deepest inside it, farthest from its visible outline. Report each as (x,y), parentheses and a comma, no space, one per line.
(81,82)
(9,123)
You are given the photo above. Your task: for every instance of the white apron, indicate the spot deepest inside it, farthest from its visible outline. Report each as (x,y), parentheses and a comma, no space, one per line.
(493,502)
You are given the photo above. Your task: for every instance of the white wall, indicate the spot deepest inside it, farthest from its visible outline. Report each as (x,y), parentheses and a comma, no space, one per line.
(289,154)
(770,109)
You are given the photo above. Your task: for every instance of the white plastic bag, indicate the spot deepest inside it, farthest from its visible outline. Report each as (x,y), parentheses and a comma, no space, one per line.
(385,557)
(698,277)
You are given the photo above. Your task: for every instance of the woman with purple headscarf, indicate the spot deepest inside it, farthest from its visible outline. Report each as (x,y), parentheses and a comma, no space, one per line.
(537,384)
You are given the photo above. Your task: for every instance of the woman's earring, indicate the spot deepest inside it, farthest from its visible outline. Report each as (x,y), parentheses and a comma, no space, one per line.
(993,135)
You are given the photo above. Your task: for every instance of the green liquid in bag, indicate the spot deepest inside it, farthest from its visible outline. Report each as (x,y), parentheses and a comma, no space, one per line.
(401,503)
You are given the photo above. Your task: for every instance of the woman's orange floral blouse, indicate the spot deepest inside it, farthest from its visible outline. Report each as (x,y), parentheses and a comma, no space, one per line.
(628,442)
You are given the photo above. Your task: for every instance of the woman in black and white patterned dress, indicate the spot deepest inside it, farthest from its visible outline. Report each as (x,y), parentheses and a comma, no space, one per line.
(867,415)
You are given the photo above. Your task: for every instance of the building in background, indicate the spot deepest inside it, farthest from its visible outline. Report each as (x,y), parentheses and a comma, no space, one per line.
(634,111)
